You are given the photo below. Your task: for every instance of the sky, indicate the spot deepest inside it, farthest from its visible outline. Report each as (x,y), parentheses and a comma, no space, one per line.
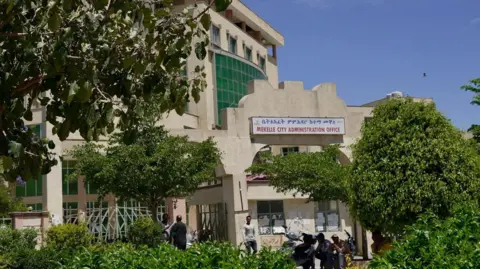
(370,48)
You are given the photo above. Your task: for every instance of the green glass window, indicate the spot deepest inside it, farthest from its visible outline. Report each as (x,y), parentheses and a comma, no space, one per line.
(69,187)
(36,207)
(33,187)
(232,76)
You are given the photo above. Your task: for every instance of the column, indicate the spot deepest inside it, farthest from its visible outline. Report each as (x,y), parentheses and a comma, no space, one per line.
(235,197)
(175,207)
(52,182)
(82,200)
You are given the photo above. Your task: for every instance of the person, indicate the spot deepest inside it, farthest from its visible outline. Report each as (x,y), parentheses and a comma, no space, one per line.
(380,244)
(322,249)
(306,252)
(166,225)
(336,257)
(178,234)
(249,236)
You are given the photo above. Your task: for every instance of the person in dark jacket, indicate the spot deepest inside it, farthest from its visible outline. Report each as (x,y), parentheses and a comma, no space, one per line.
(178,234)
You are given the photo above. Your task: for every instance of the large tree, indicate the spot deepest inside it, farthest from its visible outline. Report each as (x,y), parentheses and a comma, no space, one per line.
(155,166)
(474,87)
(91,63)
(318,175)
(410,160)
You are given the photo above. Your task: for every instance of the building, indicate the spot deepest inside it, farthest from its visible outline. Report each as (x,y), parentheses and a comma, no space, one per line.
(246,110)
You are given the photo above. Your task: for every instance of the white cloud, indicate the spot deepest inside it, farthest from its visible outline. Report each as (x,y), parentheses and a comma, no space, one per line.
(475,20)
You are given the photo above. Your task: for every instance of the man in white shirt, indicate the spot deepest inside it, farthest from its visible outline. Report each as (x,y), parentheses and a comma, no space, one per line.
(249,236)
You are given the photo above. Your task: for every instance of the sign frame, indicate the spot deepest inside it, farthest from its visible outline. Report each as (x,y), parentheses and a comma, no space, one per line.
(252,130)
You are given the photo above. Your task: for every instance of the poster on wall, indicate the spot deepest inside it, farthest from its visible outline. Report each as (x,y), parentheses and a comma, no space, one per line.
(288,125)
(332,224)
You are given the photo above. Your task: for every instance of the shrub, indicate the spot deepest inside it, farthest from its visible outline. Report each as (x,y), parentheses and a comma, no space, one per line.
(11,239)
(68,236)
(200,256)
(146,232)
(434,243)
(45,258)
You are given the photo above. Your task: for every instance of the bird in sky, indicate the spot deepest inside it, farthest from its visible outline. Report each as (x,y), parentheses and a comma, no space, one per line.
(424,75)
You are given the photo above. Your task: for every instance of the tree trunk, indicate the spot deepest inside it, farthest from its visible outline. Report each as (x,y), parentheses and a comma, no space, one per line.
(153,206)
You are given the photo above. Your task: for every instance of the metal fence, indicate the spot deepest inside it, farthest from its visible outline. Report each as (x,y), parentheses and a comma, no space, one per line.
(5,222)
(110,223)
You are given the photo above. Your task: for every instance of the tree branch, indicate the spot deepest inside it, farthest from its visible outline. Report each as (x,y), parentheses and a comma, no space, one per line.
(13,34)
(27,85)
(210,4)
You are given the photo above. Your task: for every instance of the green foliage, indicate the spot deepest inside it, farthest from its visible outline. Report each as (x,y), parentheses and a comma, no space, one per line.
(68,236)
(92,64)
(316,174)
(473,87)
(9,203)
(13,240)
(155,166)
(410,160)
(437,243)
(208,255)
(145,231)
(46,258)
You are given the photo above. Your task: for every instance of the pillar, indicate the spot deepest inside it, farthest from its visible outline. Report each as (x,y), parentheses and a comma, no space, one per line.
(175,207)
(82,200)
(243,26)
(235,197)
(52,182)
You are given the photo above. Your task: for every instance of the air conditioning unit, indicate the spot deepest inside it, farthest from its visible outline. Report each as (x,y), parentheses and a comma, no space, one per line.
(395,94)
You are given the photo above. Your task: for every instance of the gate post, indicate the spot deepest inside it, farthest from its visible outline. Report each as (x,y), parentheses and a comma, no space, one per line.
(236,201)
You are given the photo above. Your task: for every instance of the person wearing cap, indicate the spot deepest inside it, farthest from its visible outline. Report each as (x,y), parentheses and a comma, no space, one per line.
(336,253)
(322,250)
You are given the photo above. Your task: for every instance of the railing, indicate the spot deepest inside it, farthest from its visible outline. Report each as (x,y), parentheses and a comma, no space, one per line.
(5,222)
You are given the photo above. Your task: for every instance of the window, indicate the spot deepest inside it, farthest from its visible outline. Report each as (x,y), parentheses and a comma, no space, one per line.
(286,151)
(270,217)
(69,187)
(232,44)
(36,207)
(261,63)
(248,53)
(327,216)
(33,187)
(215,35)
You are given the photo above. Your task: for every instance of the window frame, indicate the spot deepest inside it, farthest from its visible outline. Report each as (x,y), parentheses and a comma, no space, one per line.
(326,211)
(288,150)
(67,168)
(247,57)
(271,226)
(215,41)
(230,47)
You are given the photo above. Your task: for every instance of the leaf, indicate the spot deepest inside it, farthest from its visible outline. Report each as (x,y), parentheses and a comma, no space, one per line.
(28,115)
(64,130)
(72,91)
(14,148)
(85,92)
(222,5)
(205,20)
(200,50)
(5,164)
(67,5)
(54,22)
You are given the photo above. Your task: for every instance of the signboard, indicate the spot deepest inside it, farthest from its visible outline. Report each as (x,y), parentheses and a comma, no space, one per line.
(277,125)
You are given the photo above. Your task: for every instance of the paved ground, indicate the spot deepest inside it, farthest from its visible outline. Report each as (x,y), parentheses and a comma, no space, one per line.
(317,264)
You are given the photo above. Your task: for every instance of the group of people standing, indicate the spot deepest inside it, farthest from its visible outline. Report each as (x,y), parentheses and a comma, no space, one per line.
(175,233)
(335,254)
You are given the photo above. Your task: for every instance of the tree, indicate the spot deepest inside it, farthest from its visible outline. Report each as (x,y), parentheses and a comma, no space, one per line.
(437,243)
(8,203)
(155,166)
(318,175)
(410,160)
(475,88)
(91,63)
